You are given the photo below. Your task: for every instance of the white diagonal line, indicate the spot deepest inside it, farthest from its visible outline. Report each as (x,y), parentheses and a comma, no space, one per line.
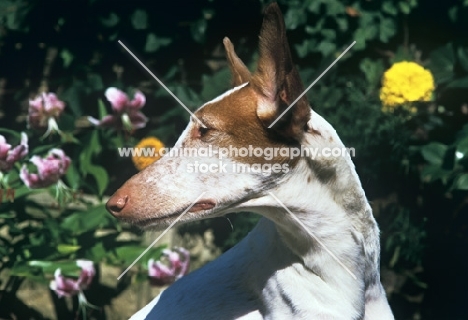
(313,236)
(162,84)
(160,236)
(305,91)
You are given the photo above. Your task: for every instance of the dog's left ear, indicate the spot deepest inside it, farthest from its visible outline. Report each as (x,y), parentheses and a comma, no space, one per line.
(240,73)
(277,79)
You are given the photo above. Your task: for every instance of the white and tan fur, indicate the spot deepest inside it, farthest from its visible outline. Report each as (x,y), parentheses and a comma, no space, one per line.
(278,271)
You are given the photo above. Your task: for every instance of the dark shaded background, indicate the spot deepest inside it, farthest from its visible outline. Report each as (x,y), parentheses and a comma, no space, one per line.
(71,48)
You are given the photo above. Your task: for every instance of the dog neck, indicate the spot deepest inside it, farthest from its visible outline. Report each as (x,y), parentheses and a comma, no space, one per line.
(327,239)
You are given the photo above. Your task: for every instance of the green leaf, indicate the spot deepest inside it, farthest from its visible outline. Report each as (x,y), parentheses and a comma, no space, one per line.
(334,7)
(110,21)
(314,6)
(84,221)
(326,48)
(97,252)
(73,96)
(459,83)
(361,35)
(139,19)
(306,47)
(404,7)
(92,147)
(14,14)
(24,191)
(431,173)
(452,13)
(73,177)
(434,153)
(94,82)
(342,23)
(102,109)
(153,43)
(48,267)
(198,30)
(328,34)
(67,249)
(463,57)
(442,62)
(389,7)
(67,57)
(128,254)
(372,70)
(461,183)
(294,17)
(387,29)
(101,177)
(462,149)
(11,132)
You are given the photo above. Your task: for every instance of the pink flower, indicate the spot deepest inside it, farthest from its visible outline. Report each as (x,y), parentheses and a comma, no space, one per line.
(127,113)
(67,287)
(64,287)
(44,111)
(49,169)
(87,273)
(9,156)
(161,274)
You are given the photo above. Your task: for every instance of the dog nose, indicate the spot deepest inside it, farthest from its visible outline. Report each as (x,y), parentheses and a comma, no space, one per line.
(116,204)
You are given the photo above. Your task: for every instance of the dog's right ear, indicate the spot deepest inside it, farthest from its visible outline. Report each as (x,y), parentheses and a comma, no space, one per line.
(240,73)
(277,79)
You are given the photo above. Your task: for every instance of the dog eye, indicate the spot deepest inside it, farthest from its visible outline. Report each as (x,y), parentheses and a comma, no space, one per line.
(203,131)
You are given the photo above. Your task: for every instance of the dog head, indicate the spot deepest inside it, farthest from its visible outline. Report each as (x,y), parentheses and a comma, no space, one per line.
(237,122)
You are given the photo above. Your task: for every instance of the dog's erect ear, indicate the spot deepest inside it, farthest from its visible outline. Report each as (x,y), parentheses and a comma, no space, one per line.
(240,73)
(277,79)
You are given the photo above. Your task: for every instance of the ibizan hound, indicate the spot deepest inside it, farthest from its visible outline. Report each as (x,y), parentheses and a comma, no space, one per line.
(316,257)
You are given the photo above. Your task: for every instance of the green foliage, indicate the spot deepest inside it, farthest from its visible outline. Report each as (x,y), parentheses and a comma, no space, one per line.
(327,24)
(447,163)
(405,239)
(402,153)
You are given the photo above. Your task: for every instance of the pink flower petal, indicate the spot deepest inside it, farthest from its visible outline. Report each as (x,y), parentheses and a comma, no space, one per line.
(29,179)
(18,152)
(49,169)
(111,121)
(138,101)
(138,120)
(36,104)
(4,147)
(64,287)
(52,104)
(87,273)
(159,274)
(117,98)
(179,262)
(43,108)
(185,265)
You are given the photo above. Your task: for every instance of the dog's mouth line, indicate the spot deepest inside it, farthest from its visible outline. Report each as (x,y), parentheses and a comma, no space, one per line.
(203,205)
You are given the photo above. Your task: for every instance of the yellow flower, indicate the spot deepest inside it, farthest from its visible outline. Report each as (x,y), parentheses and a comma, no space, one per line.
(403,83)
(147,152)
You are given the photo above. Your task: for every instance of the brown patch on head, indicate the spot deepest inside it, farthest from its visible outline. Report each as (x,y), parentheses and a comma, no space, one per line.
(232,121)
(241,118)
